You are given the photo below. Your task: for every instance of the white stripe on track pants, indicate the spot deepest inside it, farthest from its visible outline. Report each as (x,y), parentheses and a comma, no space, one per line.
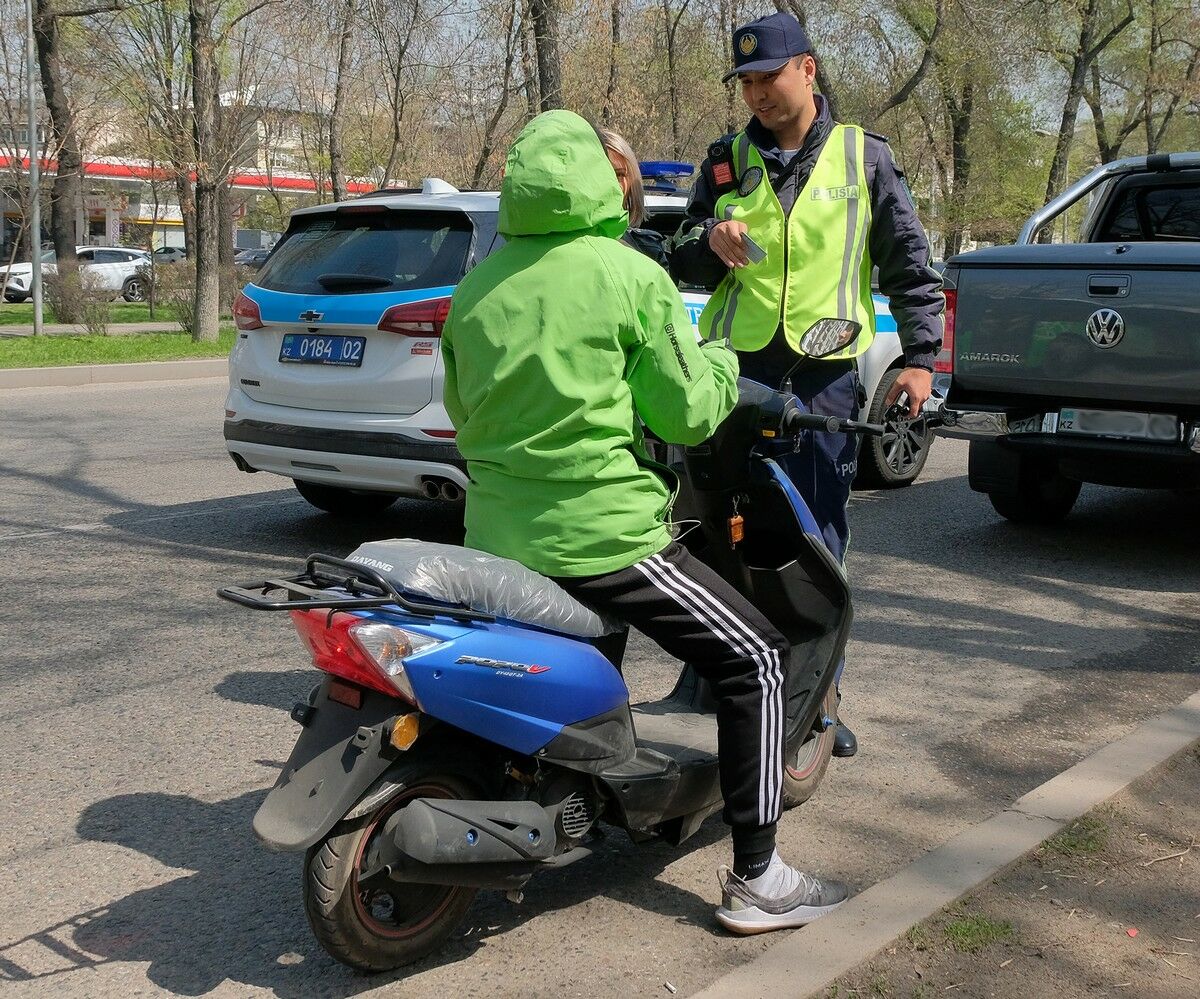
(697,617)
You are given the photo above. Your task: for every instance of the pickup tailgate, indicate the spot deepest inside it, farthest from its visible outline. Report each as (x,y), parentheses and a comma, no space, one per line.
(1100,323)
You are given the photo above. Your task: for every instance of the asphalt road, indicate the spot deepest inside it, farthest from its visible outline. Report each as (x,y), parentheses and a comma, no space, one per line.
(141,720)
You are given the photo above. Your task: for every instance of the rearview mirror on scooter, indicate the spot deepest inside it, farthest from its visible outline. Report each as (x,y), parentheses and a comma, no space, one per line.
(828,336)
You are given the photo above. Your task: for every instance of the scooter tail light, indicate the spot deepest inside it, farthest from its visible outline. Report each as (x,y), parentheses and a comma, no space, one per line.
(368,653)
(944,363)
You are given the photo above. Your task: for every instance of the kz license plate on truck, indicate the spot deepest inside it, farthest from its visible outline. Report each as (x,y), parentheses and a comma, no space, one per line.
(301,348)
(1107,423)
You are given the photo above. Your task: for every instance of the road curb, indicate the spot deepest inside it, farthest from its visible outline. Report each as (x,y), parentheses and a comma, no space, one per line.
(809,960)
(96,374)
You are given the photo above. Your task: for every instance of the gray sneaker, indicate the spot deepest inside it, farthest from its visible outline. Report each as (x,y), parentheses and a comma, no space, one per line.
(797,900)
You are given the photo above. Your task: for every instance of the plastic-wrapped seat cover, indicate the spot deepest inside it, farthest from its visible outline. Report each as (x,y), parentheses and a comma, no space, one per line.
(482,582)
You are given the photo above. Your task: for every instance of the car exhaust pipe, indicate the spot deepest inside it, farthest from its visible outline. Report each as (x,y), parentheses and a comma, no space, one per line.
(430,489)
(450,492)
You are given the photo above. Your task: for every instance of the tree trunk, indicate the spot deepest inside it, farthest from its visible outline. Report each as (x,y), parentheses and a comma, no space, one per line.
(187,211)
(489,134)
(610,95)
(528,63)
(205,110)
(960,131)
(225,244)
(671,25)
(337,164)
(66,193)
(545,23)
(1085,54)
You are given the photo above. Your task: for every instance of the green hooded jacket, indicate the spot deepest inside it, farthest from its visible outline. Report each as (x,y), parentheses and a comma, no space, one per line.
(557,348)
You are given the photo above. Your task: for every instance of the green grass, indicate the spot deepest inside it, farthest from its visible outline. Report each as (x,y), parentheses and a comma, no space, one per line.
(918,937)
(21,313)
(1084,836)
(972,933)
(53,351)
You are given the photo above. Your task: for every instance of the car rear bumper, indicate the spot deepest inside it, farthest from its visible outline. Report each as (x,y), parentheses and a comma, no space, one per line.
(349,471)
(350,450)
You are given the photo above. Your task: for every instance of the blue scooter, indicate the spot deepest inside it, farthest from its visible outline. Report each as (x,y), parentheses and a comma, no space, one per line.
(472,726)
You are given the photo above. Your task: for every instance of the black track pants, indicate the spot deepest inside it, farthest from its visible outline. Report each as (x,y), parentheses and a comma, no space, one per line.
(697,617)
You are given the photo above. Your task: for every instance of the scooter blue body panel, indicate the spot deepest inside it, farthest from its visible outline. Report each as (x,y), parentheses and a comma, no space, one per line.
(511,684)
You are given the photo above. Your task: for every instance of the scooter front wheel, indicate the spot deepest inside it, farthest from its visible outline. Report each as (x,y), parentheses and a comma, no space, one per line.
(384,926)
(804,771)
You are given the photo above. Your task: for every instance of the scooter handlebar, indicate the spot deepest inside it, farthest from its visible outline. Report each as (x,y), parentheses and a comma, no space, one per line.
(831,424)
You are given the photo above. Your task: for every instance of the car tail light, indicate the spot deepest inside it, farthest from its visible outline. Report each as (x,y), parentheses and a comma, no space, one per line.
(416,318)
(368,653)
(245,313)
(444,434)
(944,363)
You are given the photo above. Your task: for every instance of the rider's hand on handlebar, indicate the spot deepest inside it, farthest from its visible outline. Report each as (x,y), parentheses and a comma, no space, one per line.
(725,240)
(917,384)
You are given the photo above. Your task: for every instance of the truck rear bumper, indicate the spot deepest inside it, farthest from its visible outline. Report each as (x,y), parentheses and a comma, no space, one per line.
(968,425)
(996,452)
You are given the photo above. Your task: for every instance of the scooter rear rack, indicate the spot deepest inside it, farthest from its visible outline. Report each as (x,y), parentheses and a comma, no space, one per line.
(360,587)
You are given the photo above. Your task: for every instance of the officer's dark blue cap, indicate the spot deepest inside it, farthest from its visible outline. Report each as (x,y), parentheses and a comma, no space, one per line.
(766,45)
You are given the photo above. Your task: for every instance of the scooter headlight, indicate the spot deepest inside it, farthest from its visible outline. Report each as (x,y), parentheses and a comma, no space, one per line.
(388,646)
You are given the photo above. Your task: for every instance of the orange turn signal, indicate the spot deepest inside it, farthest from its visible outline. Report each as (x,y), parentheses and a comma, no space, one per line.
(405,731)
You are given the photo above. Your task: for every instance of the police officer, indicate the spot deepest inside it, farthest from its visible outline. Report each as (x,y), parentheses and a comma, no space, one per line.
(826,203)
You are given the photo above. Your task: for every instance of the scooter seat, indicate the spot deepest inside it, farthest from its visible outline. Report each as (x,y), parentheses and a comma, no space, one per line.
(482,582)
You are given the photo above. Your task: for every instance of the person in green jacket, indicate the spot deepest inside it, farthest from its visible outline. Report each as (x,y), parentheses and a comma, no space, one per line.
(558,349)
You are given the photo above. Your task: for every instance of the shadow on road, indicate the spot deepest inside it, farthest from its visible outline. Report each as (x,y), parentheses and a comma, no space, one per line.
(239,915)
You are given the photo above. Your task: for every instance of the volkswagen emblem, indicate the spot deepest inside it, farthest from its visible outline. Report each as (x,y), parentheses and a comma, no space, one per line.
(1105,328)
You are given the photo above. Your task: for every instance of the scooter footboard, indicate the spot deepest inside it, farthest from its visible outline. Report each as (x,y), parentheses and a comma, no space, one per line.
(328,771)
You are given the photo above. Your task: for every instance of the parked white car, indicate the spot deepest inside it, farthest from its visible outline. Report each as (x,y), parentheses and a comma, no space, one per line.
(106,268)
(335,378)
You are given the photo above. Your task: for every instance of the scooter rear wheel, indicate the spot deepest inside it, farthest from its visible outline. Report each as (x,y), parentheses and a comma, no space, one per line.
(386,926)
(803,773)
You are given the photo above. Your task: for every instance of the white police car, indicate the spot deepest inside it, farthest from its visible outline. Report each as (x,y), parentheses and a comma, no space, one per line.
(335,378)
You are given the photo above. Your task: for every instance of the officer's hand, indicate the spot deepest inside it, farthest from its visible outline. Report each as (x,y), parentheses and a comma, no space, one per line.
(725,240)
(917,383)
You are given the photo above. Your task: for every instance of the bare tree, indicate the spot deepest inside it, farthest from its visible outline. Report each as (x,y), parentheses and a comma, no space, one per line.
(1089,42)
(66,197)
(511,43)
(337,156)
(671,19)
(610,94)
(549,66)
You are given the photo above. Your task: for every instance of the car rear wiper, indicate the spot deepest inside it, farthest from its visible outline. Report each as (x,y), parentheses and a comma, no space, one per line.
(336,281)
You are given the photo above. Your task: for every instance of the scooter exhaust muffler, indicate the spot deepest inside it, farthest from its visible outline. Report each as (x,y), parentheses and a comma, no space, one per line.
(481,844)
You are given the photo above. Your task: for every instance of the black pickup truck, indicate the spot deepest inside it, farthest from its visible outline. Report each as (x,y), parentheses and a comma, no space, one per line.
(1080,362)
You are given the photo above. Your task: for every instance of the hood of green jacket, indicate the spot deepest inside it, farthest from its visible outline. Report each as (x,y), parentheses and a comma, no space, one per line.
(558,179)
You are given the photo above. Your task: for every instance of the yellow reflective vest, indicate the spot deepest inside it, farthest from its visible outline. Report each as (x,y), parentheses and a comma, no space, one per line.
(817,262)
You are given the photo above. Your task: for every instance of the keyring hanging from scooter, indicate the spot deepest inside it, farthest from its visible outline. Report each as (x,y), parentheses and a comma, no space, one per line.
(737,525)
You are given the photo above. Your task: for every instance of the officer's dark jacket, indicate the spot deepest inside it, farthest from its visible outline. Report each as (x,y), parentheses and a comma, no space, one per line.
(898,244)
(649,242)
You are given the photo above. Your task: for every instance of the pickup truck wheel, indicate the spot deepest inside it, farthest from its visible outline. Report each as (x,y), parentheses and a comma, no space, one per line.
(896,458)
(1042,496)
(344,502)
